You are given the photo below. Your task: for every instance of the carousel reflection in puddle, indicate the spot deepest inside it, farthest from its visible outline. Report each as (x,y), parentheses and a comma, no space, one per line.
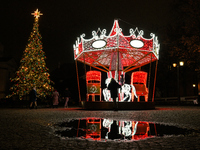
(105,129)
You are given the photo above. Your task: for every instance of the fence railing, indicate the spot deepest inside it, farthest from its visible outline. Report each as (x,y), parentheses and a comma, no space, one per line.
(174,100)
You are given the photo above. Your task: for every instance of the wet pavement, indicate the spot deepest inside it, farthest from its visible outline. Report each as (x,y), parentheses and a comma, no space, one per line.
(35,129)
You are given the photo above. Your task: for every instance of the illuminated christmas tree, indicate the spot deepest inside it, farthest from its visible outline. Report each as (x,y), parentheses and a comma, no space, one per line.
(32,71)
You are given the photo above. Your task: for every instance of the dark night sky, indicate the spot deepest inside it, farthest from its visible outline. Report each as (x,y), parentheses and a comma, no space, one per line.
(63,21)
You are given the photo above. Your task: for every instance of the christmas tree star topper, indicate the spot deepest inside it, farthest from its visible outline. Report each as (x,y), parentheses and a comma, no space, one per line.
(36,14)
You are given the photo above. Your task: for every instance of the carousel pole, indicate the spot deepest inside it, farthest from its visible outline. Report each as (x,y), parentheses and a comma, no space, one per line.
(85,66)
(87,98)
(149,73)
(118,52)
(118,60)
(155,80)
(149,78)
(78,82)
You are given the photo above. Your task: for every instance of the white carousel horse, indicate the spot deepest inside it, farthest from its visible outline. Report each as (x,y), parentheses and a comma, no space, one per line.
(106,92)
(126,91)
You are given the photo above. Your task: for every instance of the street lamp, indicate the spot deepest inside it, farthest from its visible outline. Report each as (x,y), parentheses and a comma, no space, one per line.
(181,63)
(194,85)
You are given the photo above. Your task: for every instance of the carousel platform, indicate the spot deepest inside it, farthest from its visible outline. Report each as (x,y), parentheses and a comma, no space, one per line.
(97,105)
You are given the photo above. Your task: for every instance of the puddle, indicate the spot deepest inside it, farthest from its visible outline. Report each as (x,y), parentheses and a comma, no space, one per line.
(107,129)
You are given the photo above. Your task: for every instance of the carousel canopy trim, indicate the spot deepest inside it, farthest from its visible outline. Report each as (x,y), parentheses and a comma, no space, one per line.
(136,44)
(133,49)
(99,44)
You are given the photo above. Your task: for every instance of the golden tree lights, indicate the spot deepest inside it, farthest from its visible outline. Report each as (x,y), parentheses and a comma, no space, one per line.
(32,71)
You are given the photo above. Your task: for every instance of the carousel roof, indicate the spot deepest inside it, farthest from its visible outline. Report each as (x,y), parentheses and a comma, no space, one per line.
(133,50)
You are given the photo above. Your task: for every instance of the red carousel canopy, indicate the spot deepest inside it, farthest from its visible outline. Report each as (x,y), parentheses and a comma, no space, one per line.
(126,52)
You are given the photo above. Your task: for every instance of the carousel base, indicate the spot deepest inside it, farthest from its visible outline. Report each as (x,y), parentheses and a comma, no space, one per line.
(89,105)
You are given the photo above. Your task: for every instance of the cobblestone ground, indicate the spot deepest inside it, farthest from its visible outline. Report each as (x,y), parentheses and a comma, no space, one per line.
(22,129)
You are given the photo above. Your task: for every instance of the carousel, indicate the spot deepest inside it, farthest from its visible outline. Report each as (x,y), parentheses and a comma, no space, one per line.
(117,55)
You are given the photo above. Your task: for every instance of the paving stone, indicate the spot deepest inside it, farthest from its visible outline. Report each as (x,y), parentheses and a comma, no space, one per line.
(34,129)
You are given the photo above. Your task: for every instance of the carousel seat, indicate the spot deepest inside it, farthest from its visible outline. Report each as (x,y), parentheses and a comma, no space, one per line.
(93,79)
(138,80)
